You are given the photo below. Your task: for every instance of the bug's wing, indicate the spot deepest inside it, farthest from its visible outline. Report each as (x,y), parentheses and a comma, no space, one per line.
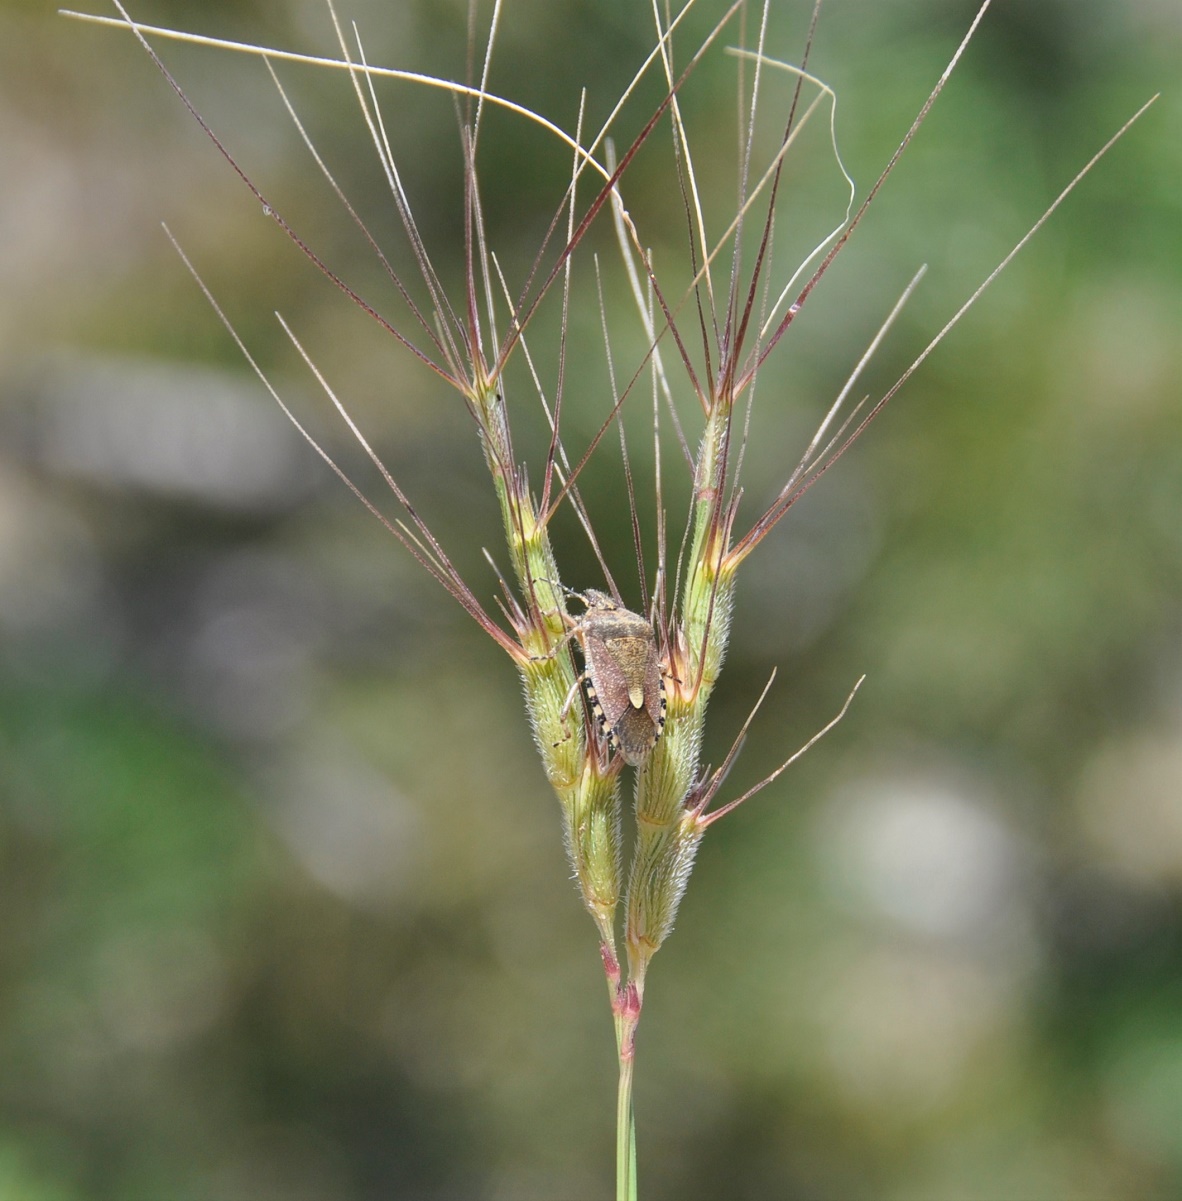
(635,675)
(637,730)
(610,682)
(637,735)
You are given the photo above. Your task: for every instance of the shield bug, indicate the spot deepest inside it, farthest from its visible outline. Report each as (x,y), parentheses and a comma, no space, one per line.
(623,677)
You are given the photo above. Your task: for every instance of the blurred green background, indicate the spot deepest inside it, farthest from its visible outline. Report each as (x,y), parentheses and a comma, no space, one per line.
(284,907)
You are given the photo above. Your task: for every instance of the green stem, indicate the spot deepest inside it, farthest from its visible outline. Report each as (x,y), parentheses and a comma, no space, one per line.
(625,1123)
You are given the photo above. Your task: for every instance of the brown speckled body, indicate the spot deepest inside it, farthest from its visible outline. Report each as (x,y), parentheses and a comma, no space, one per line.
(624,682)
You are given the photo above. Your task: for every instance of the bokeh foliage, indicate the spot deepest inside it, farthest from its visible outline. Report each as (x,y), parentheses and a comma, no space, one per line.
(285,910)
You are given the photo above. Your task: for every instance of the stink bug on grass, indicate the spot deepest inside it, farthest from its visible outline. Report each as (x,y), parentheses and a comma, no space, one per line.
(625,685)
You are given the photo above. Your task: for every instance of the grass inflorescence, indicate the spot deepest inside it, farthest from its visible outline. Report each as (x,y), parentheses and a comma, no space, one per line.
(719,330)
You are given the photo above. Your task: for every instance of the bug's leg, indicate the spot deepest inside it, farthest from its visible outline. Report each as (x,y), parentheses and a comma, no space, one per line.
(574,625)
(557,646)
(570,696)
(565,711)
